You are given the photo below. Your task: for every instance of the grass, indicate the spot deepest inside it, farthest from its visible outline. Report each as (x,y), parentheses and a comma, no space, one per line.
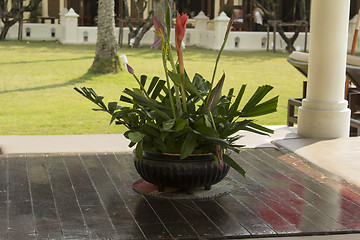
(37,81)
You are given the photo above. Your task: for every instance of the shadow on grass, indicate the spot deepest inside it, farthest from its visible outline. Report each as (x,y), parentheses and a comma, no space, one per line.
(50,45)
(47,60)
(84,78)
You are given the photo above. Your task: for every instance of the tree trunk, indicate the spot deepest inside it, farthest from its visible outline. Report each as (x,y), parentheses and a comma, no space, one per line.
(106,57)
(7,26)
(20,31)
(137,31)
(144,29)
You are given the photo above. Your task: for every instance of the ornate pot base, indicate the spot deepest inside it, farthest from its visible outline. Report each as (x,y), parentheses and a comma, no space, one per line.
(148,189)
(167,170)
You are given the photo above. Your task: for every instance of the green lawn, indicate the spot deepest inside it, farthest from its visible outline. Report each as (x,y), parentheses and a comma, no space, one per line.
(37,81)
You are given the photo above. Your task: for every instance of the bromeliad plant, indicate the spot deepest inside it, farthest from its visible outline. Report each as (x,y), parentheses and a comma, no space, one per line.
(182,116)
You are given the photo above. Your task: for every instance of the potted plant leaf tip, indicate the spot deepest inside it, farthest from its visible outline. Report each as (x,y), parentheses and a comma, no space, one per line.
(184,128)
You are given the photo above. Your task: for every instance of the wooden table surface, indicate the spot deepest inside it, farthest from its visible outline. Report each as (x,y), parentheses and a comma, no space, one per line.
(89,196)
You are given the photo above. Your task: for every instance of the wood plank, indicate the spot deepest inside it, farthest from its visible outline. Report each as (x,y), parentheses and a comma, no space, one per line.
(202,225)
(328,201)
(254,224)
(276,213)
(325,183)
(3,198)
(175,223)
(223,219)
(273,190)
(21,219)
(46,219)
(144,216)
(72,223)
(95,215)
(125,222)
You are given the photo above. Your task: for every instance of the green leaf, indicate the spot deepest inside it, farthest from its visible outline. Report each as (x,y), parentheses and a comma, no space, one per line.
(135,136)
(168,20)
(163,135)
(253,127)
(143,79)
(207,131)
(152,84)
(180,124)
(235,127)
(139,151)
(234,107)
(200,84)
(158,89)
(125,99)
(112,106)
(257,97)
(230,93)
(92,92)
(188,145)
(140,99)
(98,99)
(263,108)
(167,125)
(229,161)
(176,78)
(150,131)
(79,91)
(153,125)
(215,94)
(87,93)
(113,117)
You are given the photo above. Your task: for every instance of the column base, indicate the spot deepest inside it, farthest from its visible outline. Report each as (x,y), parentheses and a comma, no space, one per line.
(324,120)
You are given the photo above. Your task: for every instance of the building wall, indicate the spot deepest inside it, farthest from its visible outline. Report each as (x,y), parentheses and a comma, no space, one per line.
(199,36)
(238,41)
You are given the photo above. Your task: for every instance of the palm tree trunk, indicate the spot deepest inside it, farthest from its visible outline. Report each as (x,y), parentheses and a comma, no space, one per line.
(106,57)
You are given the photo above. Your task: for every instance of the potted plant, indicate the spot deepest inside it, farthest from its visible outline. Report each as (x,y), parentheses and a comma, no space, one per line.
(183,127)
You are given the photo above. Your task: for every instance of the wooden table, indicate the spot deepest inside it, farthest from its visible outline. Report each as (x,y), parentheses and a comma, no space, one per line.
(89,196)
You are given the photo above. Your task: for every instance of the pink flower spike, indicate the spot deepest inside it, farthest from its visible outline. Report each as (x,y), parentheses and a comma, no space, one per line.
(130,70)
(156,42)
(157,24)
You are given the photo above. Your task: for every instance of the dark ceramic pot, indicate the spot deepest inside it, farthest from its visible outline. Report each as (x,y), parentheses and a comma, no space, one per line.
(167,170)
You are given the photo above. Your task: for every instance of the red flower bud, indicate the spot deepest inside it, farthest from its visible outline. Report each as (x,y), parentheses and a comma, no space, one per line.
(180,29)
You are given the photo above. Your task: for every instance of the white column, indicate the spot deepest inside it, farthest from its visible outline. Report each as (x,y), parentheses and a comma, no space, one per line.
(61,4)
(201,21)
(62,16)
(129,6)
(221,23)
(324,112)
(71,27)
(146,12)
(44,8)
(216,7)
